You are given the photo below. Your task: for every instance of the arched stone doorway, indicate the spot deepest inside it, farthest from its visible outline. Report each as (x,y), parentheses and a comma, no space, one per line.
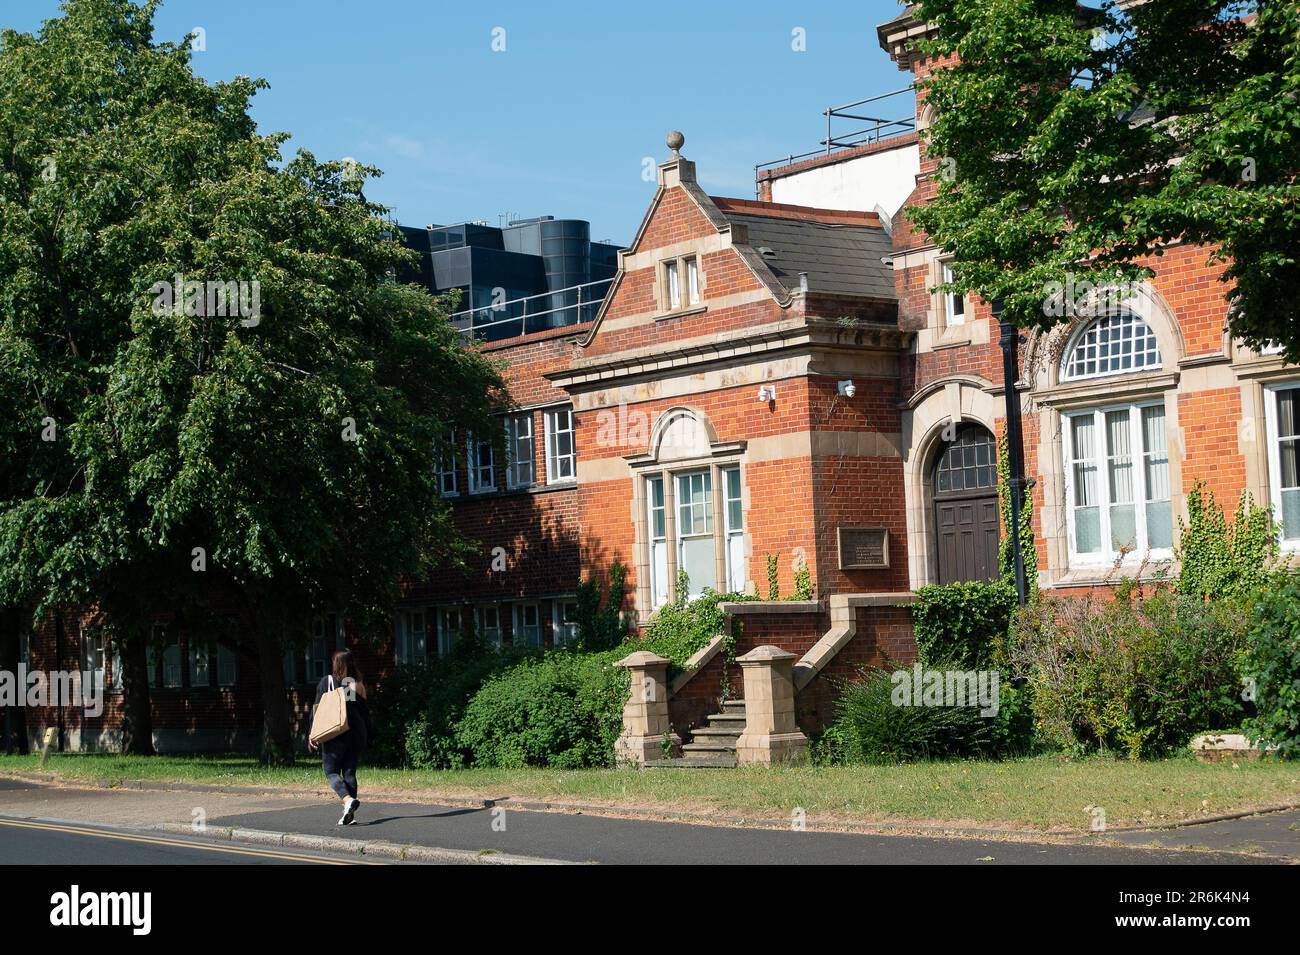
(964,480)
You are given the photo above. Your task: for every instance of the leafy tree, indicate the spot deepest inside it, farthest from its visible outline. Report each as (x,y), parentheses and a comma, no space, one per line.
(281,451)
(1076,143)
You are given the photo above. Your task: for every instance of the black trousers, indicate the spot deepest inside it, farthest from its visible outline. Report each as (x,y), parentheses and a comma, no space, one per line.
(339,760)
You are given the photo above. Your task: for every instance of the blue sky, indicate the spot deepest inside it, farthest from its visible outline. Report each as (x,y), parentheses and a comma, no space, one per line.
(561,121)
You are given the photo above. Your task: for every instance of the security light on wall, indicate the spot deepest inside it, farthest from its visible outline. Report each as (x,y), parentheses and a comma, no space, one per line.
(847,388)
(767,393)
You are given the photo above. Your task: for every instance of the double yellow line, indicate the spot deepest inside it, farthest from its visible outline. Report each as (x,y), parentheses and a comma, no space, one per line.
(179,843)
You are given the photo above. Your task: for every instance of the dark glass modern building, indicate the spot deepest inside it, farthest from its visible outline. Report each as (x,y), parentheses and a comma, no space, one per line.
(528,276)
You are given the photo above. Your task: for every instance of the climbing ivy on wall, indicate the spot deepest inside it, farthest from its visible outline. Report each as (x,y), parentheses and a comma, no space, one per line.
(1006,559)
(1220,559)
(803,583)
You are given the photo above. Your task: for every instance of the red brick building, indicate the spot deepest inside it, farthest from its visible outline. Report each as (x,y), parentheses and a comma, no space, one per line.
(780,378)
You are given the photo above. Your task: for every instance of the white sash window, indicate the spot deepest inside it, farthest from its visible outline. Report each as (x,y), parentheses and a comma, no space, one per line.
(1117,483)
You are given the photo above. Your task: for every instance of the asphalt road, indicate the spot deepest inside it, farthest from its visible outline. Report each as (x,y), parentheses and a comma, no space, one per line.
(28,842)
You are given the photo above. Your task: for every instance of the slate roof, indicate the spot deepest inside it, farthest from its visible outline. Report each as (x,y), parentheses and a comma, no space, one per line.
(840,259)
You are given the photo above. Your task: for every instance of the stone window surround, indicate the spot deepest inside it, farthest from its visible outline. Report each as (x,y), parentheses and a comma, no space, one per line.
(937,335)
(663,304)
(718,456)
(938,318)
(1049,398)
(1105,559)
(1051,408)
(1257,375)
(1252,374)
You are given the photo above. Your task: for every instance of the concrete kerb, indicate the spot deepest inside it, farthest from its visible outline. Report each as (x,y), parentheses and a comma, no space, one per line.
(377,848)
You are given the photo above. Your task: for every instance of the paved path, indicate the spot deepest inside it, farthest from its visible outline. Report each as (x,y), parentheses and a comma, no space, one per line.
(1274,834)
(566,836)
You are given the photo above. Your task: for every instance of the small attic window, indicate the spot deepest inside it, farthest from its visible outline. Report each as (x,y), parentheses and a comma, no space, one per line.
(680,283)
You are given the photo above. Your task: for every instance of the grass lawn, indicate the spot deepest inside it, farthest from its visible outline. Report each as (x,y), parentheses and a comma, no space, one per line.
(1043,792)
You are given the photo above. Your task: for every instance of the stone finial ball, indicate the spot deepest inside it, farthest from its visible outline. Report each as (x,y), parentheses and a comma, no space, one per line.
(675,140)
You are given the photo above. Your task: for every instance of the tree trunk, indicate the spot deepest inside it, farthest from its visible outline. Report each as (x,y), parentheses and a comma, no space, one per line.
(277,728)
(15,717)
(137,715)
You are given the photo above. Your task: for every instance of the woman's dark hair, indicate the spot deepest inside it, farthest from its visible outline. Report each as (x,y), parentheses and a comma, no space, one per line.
(344,666)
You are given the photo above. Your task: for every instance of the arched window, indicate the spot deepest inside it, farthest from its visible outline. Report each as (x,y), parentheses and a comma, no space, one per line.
(968,463)
(1112,345)
(695,515)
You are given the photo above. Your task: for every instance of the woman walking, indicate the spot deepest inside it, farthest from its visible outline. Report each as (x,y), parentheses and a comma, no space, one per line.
(340,755)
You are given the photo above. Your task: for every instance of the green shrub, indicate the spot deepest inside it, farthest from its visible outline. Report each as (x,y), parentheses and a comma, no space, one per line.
(1273,666)
(680,628)
(964,622)
(1218,559)
(870,728)
(1130,674)
(416,707)
(830,747)
(1011,732)
(562,710)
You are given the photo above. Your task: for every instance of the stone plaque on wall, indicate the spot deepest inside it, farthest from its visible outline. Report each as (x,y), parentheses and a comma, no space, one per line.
(863,548)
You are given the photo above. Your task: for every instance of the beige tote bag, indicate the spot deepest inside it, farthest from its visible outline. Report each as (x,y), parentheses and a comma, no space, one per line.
(329,717)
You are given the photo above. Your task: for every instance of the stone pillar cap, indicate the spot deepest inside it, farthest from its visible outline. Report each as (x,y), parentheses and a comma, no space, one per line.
(642,658)
(764,653)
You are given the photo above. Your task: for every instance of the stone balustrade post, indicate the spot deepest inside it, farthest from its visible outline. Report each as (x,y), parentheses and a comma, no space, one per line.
(645,714)
(771,734)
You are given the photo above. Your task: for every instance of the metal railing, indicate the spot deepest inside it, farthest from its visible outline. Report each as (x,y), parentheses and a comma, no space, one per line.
(878,128)
(533,313)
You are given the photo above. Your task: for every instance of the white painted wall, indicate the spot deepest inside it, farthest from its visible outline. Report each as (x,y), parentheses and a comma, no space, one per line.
(860,184)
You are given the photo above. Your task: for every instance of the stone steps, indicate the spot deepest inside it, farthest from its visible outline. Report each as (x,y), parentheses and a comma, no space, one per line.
(727,720)
(712,746)
(717,761)
(724,733)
